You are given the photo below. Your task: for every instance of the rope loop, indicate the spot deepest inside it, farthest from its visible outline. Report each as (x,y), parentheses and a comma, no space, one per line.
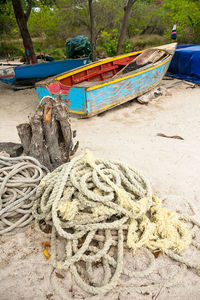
(19,178)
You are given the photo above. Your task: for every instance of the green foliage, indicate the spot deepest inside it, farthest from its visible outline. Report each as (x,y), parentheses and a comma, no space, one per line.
(12,49)
(7,20)
(58,53)
(145,19)
(108,42)
(150,24)
(140,42)
(186,13)
(127,47)
(108,15)
(15,48)
(43,2)
(46,20)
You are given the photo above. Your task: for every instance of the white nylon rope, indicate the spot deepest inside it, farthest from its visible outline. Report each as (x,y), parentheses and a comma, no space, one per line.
(19,178)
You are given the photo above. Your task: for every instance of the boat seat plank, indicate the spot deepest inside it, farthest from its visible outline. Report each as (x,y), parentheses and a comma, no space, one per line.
(83,78)
(86,84)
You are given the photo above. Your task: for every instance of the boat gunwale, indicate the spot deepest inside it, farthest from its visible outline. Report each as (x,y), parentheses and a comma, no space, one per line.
(124,76)
(63,75)
(109,80)
(131,74)
(97,63)
(168,48)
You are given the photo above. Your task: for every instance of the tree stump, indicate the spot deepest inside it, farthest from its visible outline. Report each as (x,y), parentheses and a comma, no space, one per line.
(48,136)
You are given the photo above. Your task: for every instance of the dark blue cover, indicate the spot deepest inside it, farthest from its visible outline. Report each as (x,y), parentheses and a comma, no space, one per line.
(186,63)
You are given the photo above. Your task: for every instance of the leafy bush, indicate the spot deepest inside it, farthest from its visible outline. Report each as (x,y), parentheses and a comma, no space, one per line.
(108,41)
(127,46)
(186,13)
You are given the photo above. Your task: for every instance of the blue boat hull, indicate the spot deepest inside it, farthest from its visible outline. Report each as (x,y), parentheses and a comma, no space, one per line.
(8,80)
(43,70)
(106,97)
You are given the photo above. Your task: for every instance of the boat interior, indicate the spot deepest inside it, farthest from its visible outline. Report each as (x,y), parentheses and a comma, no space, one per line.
(104,71)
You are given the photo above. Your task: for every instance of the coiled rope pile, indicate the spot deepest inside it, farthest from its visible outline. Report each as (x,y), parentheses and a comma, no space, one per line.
(95,207)
(19,178)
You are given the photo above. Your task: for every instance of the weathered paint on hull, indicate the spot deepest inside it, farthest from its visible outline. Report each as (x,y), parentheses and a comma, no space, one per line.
(86,102)
(106,97)
(76,99)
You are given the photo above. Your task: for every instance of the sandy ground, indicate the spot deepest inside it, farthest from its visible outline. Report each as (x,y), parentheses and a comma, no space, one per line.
(127,133)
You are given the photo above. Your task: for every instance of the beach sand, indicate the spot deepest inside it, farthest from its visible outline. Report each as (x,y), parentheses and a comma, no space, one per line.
(127,133)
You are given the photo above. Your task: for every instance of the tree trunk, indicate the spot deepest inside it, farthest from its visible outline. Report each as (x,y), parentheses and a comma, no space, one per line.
(22,18)
(92,30)
(127,12)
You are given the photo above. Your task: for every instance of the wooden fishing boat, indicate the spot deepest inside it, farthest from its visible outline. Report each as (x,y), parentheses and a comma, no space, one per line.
(109,82)
(32,73)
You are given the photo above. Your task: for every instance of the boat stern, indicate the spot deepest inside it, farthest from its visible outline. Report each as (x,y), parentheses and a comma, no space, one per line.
(76,98)
(7,75)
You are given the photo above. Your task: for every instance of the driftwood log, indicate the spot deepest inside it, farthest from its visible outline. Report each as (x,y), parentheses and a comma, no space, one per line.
(12,149)
(48,136)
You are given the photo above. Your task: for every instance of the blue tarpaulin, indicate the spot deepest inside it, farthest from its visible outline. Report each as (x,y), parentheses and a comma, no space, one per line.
(186,63)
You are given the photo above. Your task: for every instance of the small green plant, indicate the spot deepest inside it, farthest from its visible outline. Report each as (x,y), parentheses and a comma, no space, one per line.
(127,47)
(109,40)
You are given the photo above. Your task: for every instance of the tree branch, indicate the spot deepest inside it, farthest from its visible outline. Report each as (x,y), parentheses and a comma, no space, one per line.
(27,14)
(127,12)
(92,30)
